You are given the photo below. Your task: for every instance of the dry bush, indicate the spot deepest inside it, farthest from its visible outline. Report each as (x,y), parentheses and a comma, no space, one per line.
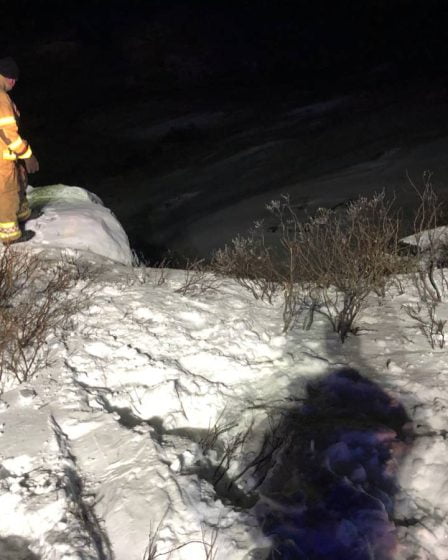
(151,551)
(209,542)
(260,464)
(16,270)
(340,257)
(211,438)
(328,263)
(86,271)
(430,257)
(235,462)
(249,260)
(145,272)
(36,302)
(198,279)
(159,274)
(233,448)
(431,326)
(431,241)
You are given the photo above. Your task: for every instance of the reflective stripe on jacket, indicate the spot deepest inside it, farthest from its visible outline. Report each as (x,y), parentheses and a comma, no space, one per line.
(12,145)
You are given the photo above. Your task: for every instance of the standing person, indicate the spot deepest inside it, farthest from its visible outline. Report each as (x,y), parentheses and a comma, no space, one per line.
(16,161)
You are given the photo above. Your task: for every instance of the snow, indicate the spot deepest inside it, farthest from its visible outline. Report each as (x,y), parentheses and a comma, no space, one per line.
(197,121)
(122,435)
(74,218)
(214,185)
(319,108)
(428,238)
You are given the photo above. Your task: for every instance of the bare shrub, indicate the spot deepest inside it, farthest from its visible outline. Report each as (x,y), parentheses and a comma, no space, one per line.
(431,241)
(36,301)
(431,326)
(430,247)
(249,260)
(198,279)
(155,274)
(210,440)
(16,271)
(260,464)
(235,462)
(151,551)
(233,447)
(328,263)
(80,269)
(209,542)
(340,257)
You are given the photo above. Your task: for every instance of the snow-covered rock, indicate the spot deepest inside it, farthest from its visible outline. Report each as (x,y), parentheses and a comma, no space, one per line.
(75,218)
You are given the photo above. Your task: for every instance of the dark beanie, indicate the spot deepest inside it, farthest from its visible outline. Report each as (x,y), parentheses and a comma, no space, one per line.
(9,68)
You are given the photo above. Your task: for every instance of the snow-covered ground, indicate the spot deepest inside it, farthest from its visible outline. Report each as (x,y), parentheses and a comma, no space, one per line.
(147,429)
(210,166)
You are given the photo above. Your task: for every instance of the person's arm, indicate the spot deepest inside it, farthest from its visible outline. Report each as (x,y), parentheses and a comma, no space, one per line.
(16,146)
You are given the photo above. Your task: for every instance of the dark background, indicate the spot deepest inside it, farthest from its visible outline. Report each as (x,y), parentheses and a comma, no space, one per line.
(88,67)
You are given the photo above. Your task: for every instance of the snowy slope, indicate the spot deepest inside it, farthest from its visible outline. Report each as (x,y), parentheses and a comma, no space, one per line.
(123,435)
(209,173)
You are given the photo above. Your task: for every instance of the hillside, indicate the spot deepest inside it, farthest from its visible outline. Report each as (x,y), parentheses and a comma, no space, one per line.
(174,413)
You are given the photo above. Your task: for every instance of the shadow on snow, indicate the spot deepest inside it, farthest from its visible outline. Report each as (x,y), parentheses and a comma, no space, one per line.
(331,494)
(16,548)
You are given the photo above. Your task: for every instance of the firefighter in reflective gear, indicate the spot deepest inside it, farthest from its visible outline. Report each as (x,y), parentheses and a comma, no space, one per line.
(16,160)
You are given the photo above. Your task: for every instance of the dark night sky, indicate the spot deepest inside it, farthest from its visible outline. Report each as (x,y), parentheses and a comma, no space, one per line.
(135,43)
(276,39)
(86,56)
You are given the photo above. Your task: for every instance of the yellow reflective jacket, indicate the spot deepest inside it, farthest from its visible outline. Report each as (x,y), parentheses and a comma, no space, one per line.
(12,145)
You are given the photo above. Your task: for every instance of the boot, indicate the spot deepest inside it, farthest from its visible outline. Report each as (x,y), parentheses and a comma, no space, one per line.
(26,236)
(33,215)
